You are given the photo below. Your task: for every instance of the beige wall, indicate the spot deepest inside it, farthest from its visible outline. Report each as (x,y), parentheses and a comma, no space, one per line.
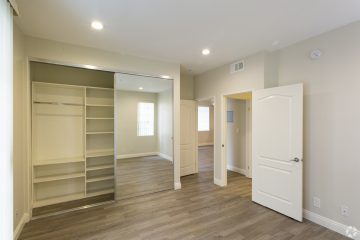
(165,124)
(20,135)
(128,142)
(331,119)
(331,92)
(207,137)
(186,86)
(216,83)
(236,135)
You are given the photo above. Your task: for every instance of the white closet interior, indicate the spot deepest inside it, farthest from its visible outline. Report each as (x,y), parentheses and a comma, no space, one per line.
(72,134)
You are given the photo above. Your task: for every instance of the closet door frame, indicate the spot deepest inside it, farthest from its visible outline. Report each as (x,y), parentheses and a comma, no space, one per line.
(28,109)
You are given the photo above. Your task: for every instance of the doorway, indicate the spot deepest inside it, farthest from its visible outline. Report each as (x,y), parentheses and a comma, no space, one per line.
(238,139)
(144,135)
(205,133)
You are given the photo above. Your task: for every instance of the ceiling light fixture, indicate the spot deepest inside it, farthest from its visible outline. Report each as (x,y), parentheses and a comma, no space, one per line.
(205,51)
(141,88)
(165,76)
(97,25)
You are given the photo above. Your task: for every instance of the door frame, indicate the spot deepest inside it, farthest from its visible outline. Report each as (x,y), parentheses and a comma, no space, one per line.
(213,98)
(224,97)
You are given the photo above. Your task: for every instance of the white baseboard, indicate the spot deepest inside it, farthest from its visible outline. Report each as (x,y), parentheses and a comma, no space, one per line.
(205,144)
(24,219)
(167,157)
(123,156)
(177,185)
(236,169)
(328,223)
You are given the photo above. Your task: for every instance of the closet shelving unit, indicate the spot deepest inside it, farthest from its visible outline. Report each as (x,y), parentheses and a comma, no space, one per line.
(99,141)
(72,142)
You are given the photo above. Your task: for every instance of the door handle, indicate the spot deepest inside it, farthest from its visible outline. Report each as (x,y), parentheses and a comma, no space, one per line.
(295,160)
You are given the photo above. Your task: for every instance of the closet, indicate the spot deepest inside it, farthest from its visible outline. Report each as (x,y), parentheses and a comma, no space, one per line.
(73,155)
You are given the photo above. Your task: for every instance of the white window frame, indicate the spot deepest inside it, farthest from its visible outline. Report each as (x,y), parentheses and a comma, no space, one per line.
(145,127)
(201,119)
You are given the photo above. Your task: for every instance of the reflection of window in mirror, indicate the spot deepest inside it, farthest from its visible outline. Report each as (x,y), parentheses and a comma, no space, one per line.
(203,118)
(145,119)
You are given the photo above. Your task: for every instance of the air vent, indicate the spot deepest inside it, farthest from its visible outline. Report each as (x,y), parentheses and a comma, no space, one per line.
(237,66)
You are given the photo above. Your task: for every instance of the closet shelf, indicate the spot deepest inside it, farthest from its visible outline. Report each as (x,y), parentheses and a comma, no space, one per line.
(90,118)
(99,178)
(72,86)
(58,177)
(100,88)
(100,167)
(92,133)
(99,192)
(60,199)
(59,103)
(100,153)
(99,105)
(58,161)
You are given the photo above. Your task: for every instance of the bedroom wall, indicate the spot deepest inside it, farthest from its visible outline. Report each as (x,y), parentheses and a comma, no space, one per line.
(129,144)
(165,126)
(186,86)
(331,119)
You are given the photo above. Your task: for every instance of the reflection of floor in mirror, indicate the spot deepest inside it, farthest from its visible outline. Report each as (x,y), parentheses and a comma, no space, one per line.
(143,175)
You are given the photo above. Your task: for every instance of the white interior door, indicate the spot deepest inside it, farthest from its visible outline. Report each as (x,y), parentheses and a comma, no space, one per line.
(188,146)
(277,149)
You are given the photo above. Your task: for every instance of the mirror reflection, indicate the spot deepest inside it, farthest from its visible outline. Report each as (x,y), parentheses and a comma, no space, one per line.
(144,135)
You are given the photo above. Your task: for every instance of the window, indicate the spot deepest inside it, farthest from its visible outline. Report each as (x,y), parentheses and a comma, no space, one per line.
(203,119)
(145,119)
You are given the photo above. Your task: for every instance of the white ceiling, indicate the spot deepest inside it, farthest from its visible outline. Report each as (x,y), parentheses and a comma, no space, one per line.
(177,30)
(129,82)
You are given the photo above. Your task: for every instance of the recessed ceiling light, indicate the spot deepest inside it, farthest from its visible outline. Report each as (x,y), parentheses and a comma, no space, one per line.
(141,88)
(165,76)
(97,25)
(205,51)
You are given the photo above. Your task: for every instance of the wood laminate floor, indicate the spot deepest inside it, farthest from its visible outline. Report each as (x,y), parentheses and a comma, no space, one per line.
(143,175)
(200,210)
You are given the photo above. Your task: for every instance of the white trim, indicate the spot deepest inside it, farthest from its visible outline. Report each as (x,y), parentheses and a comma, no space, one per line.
(14,7)
(24,219)
(165,156)
(219,182)
(177,186)
(205,144)
(223,130)
(237,169)
(327,223)
(123,156)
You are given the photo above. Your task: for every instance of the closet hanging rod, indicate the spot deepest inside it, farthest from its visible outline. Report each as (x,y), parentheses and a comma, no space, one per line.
(59,103)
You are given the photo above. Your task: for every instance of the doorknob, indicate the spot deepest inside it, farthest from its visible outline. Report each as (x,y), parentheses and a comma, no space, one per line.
(295,159)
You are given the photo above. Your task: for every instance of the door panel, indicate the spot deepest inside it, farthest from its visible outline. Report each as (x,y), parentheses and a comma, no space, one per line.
(188,146)
(277,140)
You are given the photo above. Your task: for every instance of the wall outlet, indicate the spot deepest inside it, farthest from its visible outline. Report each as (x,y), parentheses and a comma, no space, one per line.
(316,202)
(345,210)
